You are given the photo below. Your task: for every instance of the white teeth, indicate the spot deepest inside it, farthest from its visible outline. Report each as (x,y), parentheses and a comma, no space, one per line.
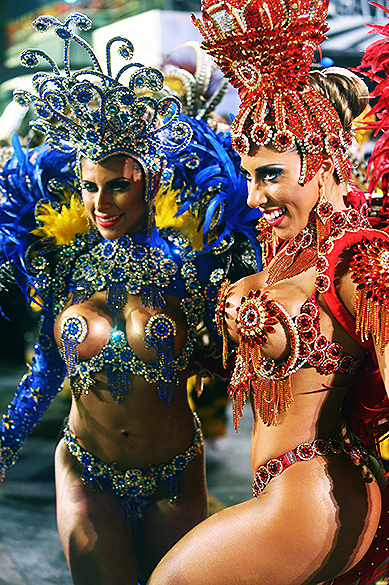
(274,214)
(108,219)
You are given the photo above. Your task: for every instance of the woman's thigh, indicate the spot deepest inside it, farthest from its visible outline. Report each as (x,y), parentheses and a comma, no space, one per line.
(309,525)
(95,535)
(165,522)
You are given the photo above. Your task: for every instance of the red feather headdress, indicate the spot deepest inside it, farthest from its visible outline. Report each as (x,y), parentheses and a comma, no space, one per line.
(265,48)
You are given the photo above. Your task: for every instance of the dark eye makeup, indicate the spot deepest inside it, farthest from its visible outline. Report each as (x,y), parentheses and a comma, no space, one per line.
(265,173)
(113,186)
(118,184)
(244,173)
(88,186)
(269,173)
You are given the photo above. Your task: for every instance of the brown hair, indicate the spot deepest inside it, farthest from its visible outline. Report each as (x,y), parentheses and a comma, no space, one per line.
(346,92)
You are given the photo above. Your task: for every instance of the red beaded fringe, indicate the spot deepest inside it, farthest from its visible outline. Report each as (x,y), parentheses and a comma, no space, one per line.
(271,397)
(286,266)
(220,323)
(372,319)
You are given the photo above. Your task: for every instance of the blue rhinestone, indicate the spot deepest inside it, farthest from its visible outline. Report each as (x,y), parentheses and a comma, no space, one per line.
(92,136)
(138,252)
(84,96)
(109,353)
(126,355)
(63,33)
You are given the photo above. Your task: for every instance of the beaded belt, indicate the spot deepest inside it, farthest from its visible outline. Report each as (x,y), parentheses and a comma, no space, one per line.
(134,487)
(305,452)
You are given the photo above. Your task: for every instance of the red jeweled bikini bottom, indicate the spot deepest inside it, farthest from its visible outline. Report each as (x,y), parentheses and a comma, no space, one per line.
(305,452)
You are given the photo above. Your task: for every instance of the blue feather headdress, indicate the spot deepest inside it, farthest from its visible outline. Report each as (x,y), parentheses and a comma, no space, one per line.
(210,185)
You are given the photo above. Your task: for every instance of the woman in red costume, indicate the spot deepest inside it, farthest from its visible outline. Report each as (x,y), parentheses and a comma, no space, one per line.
(311,330)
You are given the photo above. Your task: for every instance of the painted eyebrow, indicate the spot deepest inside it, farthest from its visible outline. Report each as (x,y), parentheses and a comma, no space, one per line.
(126,179)
(118,179)
(271,167)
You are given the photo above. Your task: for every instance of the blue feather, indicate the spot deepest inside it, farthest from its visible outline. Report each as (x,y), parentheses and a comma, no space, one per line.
(208,176)
(24,181)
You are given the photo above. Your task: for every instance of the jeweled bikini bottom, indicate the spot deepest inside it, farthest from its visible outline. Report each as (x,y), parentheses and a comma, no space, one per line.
(305,452)
(134,487)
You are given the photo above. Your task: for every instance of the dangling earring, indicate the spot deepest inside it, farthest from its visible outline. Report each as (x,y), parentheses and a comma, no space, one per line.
(93,232)
(151,218)
(323,212)
(269,240)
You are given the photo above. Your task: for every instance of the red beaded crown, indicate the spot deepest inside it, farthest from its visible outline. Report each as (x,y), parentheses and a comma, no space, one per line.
(265,49)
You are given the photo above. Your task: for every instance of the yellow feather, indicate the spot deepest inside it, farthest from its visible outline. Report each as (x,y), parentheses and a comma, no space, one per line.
(62,225)
(187,223)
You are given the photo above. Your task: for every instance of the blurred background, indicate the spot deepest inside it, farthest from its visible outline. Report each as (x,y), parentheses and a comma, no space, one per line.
(30,552)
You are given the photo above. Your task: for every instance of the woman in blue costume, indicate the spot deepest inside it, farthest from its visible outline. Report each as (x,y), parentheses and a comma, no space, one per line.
(121,305)
(312,329)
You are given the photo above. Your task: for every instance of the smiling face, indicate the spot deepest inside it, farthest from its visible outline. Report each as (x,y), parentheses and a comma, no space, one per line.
(112,191)
(274,189)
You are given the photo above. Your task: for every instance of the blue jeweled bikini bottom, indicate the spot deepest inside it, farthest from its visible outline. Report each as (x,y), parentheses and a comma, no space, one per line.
(134,487)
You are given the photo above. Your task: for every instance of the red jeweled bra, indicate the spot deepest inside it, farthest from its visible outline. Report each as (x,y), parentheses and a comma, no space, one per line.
(268,381)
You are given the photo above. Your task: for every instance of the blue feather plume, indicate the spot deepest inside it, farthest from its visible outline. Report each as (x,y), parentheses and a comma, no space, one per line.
(211,185)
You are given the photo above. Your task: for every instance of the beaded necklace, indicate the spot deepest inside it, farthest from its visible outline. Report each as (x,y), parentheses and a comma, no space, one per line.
(310,246)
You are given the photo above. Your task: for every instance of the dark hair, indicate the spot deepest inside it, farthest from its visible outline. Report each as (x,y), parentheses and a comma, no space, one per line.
(346,92)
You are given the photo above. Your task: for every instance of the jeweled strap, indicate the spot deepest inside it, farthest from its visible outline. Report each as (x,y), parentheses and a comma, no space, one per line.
(305,452)
(330,295)
(220,322)
(160,331)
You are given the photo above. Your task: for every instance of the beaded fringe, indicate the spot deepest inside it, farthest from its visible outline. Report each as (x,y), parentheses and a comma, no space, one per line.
(220,313)
(372,319)
(119,384)
(285,266)
(117,296)
(271,397)
(238,396)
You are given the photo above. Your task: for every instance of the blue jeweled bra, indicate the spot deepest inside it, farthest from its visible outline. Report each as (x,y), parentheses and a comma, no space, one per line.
(123,267)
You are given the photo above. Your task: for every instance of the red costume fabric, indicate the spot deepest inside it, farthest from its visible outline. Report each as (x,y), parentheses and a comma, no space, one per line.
(367,409)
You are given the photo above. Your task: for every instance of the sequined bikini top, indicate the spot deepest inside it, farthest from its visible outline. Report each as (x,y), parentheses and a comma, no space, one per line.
(269,381)
(129,265)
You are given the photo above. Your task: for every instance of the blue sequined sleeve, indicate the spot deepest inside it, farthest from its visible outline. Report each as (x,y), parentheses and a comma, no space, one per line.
(38,387)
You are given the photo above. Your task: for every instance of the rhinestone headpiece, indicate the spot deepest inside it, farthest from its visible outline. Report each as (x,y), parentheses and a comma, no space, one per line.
(97,114)
(265,48)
